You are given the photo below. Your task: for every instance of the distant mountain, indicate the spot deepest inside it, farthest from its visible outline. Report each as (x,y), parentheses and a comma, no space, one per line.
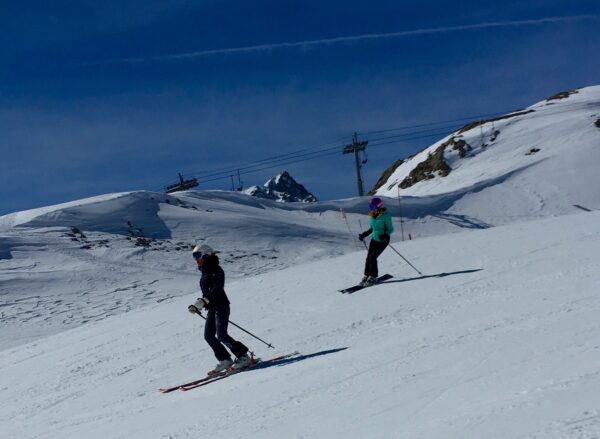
(542,160)
(282,188)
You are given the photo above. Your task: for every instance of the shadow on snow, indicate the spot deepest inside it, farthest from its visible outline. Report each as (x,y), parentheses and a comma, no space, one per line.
(427,276)
(295,359)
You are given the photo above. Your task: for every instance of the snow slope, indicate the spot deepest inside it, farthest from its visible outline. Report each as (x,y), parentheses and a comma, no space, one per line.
(499,339)
(65,265)
(69,264)
(502,178)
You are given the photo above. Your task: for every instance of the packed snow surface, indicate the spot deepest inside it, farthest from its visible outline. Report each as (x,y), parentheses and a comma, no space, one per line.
(499,339)
(69,264)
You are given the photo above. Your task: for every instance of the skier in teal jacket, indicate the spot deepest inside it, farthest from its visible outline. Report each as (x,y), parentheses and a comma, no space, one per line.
(380,226)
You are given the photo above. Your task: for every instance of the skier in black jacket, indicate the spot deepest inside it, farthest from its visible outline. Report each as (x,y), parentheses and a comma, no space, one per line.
(215,301)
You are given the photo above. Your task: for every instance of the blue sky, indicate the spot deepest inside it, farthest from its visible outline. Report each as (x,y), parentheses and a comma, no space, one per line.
(99,97)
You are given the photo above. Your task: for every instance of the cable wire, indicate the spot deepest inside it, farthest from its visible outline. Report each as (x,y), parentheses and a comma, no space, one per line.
(335,147)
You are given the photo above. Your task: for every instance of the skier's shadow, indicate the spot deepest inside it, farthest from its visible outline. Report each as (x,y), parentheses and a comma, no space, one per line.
(295,359)
(432,275)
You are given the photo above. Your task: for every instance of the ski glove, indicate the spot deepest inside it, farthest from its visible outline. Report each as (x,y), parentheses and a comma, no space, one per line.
(198,305)
(201,303)
(363,235)
(384,237)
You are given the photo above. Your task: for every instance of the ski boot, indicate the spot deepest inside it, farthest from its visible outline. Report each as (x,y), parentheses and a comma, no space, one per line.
(222,366)
(242,362)
(370,280)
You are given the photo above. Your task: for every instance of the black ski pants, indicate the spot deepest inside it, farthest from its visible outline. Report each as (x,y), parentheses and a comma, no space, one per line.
(215,334)
(375,249)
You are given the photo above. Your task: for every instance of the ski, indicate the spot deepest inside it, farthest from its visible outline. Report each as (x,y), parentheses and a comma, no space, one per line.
(360,287)
(257,365)
(191,383)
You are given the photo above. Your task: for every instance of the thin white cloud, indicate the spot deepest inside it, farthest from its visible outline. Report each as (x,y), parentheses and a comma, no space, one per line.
(347,39)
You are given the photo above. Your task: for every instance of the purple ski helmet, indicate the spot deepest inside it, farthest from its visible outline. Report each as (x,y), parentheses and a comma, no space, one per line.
(375,203)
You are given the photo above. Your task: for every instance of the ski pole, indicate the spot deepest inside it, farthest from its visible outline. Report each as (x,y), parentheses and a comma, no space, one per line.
(237,326)
(348,225)
(400,213)
(390,245)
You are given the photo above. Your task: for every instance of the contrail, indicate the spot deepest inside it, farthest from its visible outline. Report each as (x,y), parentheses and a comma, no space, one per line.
(336,40)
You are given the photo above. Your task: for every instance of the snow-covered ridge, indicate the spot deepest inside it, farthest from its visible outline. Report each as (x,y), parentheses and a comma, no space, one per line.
(23,217)
(550,151)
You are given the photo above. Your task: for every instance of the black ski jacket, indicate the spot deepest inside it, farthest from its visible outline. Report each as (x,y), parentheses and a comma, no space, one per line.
(212,282)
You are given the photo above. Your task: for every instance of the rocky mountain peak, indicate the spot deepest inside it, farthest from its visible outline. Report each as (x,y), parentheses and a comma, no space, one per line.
(282,188)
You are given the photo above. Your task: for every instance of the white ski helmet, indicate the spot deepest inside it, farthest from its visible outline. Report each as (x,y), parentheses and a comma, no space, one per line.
(203,249)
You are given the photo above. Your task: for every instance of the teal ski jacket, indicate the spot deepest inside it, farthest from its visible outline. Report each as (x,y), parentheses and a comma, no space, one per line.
(380,225)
